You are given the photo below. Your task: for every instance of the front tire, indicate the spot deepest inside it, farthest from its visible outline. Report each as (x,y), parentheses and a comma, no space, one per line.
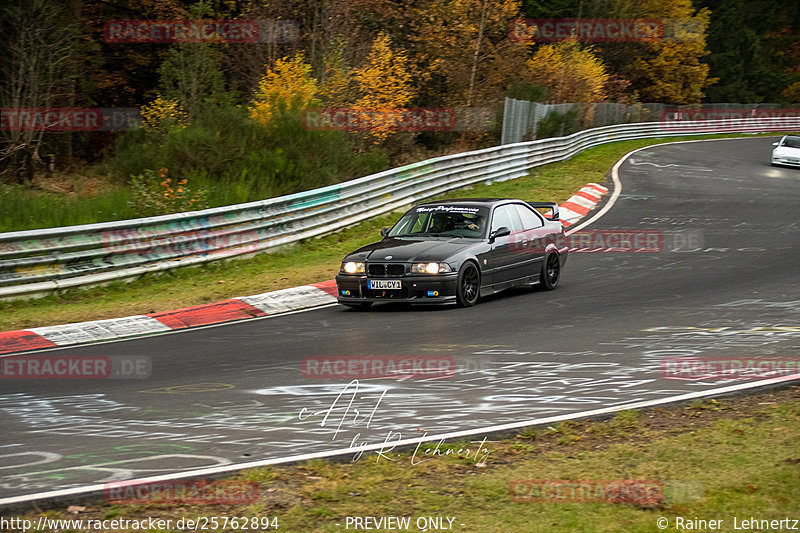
(551,272)
(468,289)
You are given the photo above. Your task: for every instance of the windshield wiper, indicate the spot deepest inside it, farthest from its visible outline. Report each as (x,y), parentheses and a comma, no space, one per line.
(443,235)
(425,234)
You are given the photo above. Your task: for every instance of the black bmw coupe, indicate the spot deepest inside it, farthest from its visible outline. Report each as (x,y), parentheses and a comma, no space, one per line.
(455,251)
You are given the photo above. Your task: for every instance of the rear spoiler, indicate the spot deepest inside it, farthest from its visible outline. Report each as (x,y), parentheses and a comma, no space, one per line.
(547,205)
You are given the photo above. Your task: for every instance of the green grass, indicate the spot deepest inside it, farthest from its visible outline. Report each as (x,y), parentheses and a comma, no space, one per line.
(741,464)
(306,262)
(737,467)
(22,208)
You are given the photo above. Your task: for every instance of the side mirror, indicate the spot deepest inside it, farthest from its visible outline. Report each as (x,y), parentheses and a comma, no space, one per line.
(774,144)
(384,232)
(499,232)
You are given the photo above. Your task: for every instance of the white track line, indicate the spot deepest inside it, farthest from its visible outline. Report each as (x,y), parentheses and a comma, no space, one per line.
(452,435)
(405,442)
(618,183)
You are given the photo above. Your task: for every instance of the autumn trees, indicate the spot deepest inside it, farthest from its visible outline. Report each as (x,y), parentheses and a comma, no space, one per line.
(754,50)
(671,71)
(463,51)
(569,72)
(288,85)
(39,69)
(382,54)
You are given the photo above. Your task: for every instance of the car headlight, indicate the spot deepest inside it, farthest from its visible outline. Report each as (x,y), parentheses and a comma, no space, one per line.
(431,268)
(353,267)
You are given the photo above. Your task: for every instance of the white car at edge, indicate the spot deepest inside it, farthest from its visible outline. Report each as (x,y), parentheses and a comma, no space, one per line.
(787,151)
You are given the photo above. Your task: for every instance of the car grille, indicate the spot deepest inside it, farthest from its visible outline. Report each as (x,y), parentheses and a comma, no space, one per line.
(386,269)
(402,294)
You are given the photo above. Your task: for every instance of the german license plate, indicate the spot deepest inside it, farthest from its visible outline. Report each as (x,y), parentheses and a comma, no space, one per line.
(391,284)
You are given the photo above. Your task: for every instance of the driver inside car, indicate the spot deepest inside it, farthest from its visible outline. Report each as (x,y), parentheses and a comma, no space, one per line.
(439,223)
(470,223)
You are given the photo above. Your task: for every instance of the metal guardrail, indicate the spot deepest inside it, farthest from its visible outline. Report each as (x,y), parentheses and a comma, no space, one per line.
(521,118)
(37,262)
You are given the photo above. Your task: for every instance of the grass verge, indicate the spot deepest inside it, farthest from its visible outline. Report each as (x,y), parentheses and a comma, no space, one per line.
(306,262)
(736,457)
(62,199)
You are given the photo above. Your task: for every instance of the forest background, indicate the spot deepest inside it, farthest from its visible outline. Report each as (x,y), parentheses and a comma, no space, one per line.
(223,121)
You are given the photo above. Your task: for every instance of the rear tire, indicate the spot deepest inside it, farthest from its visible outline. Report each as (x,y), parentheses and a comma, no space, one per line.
(551,272)
(468,287)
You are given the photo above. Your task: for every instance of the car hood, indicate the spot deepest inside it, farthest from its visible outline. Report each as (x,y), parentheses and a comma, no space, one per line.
(786,151)
(410,250)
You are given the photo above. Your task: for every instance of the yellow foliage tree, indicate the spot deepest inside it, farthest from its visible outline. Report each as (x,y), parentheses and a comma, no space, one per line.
(384,81)
(673,74)
(289,84)
(162,114)
(661,70)
(568,72)
(337,87)
(466,43)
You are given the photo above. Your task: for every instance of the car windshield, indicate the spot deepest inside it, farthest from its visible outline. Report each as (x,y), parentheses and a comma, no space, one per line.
(791,142)
(443,220)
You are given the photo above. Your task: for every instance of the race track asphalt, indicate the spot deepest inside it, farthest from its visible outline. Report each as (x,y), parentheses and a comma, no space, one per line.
(725,285)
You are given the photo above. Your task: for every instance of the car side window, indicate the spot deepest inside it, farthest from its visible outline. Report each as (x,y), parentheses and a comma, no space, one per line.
(529,219)
(506,215)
